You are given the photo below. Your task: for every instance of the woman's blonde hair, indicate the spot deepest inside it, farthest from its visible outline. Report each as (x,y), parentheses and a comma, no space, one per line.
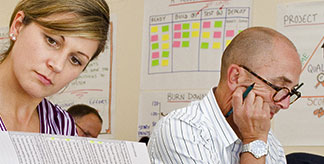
(89,18)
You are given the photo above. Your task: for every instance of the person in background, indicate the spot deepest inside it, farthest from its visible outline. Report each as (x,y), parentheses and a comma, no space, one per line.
(224,127)
(87,120)
(51,43)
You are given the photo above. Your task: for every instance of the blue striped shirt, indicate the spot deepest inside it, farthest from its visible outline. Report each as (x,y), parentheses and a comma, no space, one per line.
(200,134)
(53,120)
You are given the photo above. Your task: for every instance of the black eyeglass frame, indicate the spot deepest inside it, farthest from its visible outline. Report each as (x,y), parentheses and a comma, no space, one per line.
(84,132)
(293,91)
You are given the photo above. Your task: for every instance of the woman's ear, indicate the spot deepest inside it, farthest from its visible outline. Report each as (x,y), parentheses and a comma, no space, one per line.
(233,74)
(17,24)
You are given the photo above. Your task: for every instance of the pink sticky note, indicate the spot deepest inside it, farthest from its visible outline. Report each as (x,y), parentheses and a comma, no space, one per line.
(155,55)
(229,33)
(177,27)
(154,38)
(217,34)
(177,35)
(206,24)
(176,44)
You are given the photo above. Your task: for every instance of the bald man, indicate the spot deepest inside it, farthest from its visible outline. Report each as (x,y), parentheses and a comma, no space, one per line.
(87,120)
(224,127)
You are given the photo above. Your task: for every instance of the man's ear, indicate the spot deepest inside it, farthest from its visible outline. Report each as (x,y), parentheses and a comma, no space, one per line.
(233,74)
(17,23)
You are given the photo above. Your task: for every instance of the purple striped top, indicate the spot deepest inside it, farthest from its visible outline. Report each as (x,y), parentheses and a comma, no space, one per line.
(53,120)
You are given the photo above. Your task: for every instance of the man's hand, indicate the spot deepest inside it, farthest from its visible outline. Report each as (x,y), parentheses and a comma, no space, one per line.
(251,116)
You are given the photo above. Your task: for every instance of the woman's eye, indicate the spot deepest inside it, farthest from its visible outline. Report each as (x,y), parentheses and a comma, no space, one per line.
(75,61)
(52,42)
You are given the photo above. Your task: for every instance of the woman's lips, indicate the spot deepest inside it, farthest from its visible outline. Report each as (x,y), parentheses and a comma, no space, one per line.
(43,79)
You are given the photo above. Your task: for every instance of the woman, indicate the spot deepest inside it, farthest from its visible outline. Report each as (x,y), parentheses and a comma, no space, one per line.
(52,41)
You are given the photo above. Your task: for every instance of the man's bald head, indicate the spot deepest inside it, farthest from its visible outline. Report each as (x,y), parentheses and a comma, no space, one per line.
(253,48)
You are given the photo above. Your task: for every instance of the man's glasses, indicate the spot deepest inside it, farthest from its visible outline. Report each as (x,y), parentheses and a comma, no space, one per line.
(281,92)
(86,134)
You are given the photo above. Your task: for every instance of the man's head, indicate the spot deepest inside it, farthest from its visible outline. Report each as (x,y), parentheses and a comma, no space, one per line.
(266,53)
(87,120)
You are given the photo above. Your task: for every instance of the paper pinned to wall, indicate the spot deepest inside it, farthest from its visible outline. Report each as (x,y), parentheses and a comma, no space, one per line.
(183,41)
(302,124)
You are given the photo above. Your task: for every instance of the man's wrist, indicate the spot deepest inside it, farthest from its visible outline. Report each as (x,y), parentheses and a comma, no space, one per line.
(257,148)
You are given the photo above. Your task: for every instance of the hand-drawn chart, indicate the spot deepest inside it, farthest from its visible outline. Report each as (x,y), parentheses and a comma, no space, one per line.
(183,42)
(188,41)
(159,104)
(302,124)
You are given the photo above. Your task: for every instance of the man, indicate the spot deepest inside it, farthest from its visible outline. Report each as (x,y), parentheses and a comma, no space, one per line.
(200,133)
(87,120)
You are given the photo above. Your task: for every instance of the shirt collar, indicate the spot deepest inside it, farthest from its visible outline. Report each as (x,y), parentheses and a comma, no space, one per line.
(219,120)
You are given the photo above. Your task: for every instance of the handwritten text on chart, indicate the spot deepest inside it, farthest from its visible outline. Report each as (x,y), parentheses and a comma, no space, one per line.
(300,19)
(175,97)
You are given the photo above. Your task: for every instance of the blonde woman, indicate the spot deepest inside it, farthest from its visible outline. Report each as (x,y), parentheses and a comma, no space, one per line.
(52,41)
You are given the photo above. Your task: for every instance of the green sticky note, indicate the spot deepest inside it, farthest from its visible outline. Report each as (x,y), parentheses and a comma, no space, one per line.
(165,28)
(186,26)
(185,34)
(165,54)
(218,24)
(185,43)
(204,45)
(155,46)
(155,62)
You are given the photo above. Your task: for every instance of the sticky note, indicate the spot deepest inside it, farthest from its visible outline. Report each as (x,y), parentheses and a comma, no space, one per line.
(165,28)
(185,34)
(218,24)
(206,34)
(185,43)
(177,27)
(165,46)
(177,35)
(165,37)
(216,45)
(195,25)
(204,45)
(239,31)
(155,62)
(155,55)
(229,33)
(186,26)
(154,38)
(176,44)
(195,34)
(206,24)
(154,29)
(165,54)
(217,34)
(165,62)
(155,46)
(228,42)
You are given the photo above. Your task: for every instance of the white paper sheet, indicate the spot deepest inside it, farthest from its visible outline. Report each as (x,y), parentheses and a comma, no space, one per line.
(33,148)
(302,124)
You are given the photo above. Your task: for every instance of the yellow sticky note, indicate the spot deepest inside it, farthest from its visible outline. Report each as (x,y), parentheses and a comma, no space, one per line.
(165,46)
(154,29)
(228,42)
(165,37)
(165,62)
(216,45)
(67,139)
(195,34)
(196,25)
(206,34)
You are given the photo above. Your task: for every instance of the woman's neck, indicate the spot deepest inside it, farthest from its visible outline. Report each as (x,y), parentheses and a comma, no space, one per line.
(17,109)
